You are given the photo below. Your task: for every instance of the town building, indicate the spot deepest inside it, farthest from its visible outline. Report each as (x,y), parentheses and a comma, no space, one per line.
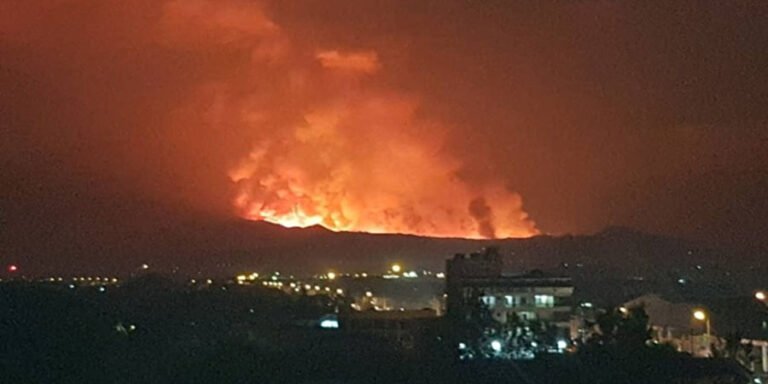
(736,327)
(478,282)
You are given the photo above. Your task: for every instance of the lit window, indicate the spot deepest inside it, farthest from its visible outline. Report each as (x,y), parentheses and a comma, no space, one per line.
(489,300)
(329,324)
(511,301)
(544,301)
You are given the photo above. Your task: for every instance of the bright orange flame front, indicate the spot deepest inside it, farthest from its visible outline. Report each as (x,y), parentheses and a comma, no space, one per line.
(294,219)
(383,179)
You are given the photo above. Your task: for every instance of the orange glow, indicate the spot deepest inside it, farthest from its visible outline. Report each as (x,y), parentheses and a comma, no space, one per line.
(366,62)
(292,219)
(358,166)
(329,145)
(330,149)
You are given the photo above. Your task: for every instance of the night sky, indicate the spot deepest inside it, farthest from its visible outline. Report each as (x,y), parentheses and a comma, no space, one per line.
(122,122)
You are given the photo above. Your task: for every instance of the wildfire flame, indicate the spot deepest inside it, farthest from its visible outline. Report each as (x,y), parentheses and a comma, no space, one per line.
(360,166)
(328,147)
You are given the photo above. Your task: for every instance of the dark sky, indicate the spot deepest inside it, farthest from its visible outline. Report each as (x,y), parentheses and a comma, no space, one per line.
(116,116)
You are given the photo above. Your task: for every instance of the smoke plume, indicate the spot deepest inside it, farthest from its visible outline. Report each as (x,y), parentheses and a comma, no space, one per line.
(306,133)
(331,150)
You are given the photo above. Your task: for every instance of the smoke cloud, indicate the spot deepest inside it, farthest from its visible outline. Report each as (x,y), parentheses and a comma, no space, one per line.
(328,148)
(305,132)
(385,116)
(365,62)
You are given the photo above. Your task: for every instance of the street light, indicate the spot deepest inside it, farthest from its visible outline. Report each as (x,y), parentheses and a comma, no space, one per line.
(624,311)
(396,268)
(700,315)
(760,295)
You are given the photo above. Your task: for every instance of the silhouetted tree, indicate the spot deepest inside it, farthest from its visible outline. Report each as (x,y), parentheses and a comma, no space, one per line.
(625,328)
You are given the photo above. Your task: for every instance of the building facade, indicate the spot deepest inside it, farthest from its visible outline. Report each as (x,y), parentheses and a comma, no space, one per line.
(477,282)
(673,323)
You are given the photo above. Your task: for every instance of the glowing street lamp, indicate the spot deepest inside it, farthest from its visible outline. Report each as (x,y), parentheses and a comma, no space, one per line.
(760,295)
(396,268)
(700,315)
(331,275)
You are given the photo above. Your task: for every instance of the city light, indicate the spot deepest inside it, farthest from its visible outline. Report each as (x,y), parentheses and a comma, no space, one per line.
(396,268)
(760,295)
(496,346)
(331,275)
(329,324)
(700,315)
(390,276)
(13,268)
(562,344)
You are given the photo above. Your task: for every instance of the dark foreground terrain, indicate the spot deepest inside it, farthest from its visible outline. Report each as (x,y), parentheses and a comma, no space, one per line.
(153,330)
